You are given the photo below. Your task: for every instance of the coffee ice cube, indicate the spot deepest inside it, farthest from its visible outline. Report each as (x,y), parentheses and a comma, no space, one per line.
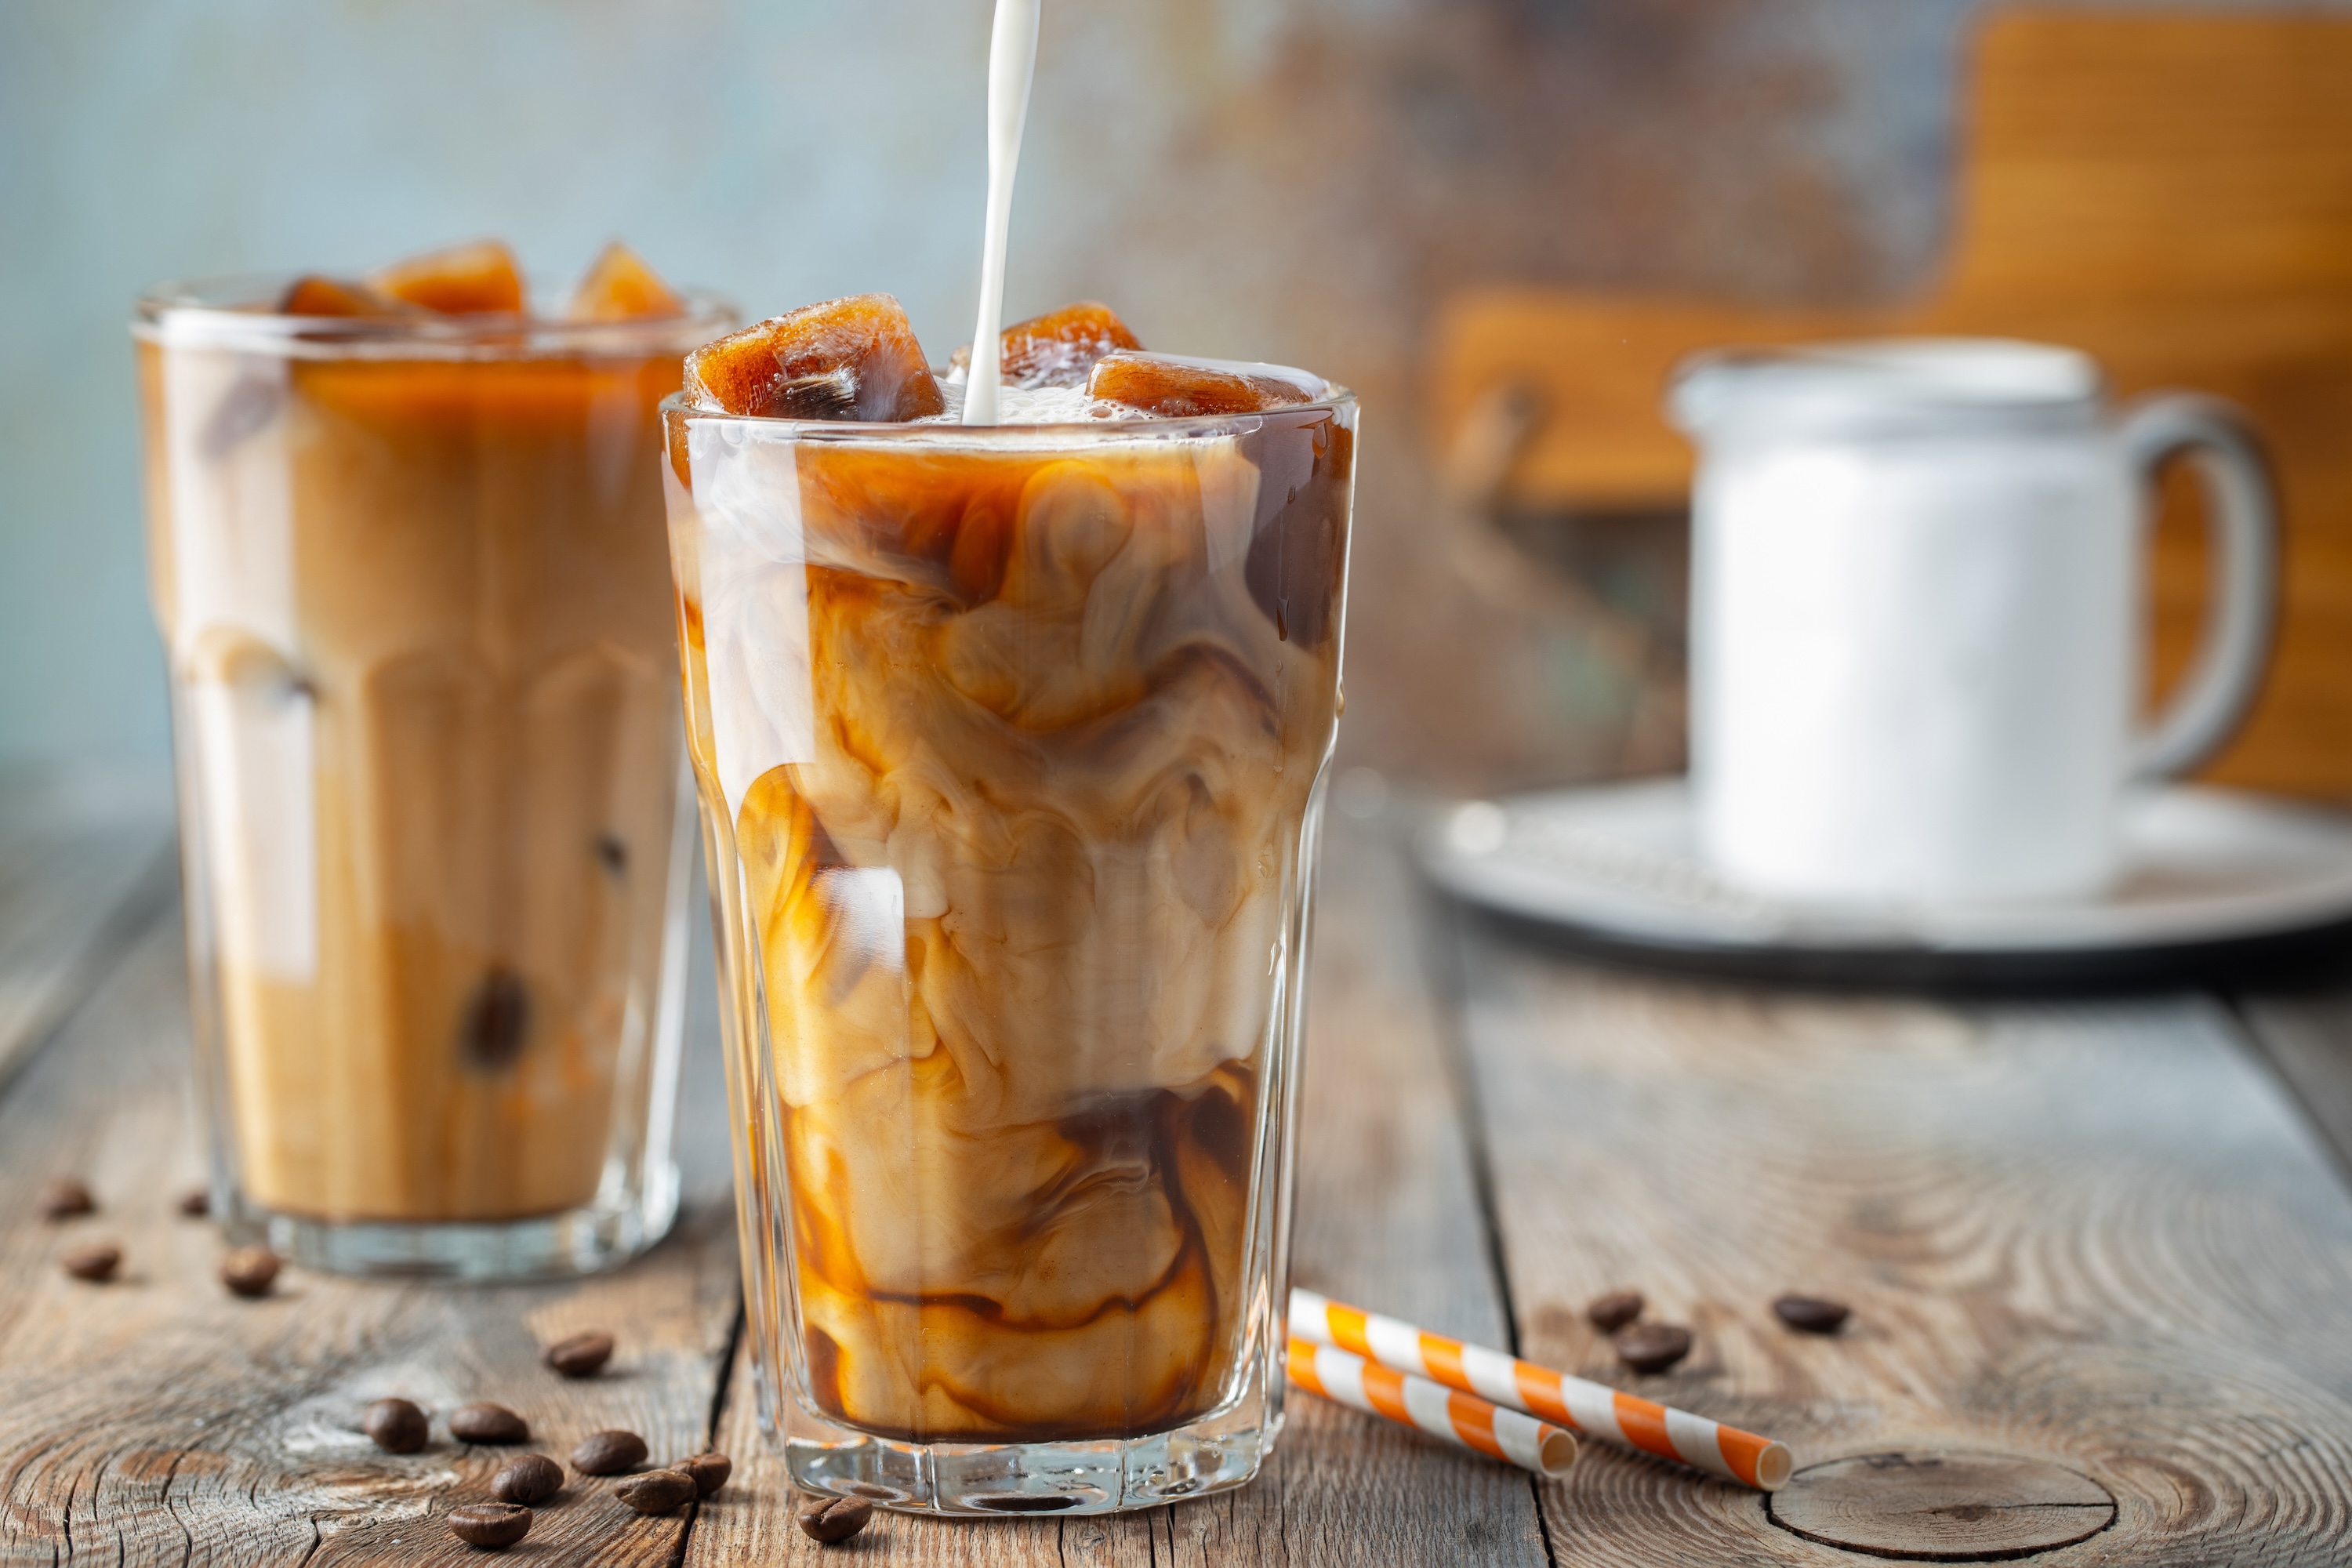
(1058,348)
(845,359)
(1173,387)
(620,287)
(314,295)
(479,279)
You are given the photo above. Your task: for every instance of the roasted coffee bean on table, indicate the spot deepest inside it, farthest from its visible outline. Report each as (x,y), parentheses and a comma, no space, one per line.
(609,1453)
(1652,1347)
(1612,1312)
(833,1520)
(488,1423)
(396,1426)
(250,1270)
(490,1524)
(62,1197)
(96,1263)
(196,1202)
(658,1491)
(710,1471)
(532,1478)
(1812,1314)
(581,1354)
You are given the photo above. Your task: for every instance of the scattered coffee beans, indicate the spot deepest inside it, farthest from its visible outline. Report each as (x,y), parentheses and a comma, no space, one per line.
(710,1471)
(532,1478)
(834,1520)
(1613,1312)
(488,1424)
(95,1264)
(1812,1314)
(196,1202)
(582,1355)
(490,1524)
(397,1427)
(608,1453)
(1652,1347)
(249,1270)
(658,1491)
(64,1198)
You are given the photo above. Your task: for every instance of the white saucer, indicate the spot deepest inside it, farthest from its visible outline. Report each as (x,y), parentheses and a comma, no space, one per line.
(2204,866)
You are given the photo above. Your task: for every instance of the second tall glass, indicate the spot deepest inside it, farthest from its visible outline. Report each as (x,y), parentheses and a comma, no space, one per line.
(1010,745)
(409,571)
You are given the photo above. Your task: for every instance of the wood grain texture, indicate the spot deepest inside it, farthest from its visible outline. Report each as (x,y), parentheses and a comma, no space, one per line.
(86,861)
(1388,1217)
(2094,1235)
(158,1419)
(2171,193)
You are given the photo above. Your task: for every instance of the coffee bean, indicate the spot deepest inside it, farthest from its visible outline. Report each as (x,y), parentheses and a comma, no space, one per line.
(1613,1312)
(834,1520)
(1812,1314)
(62,1197)
(249,1270)
(490,1524)
(196,1202)
(581,1355)
(710,1471)
(397,1427)
(1652,1347)
(608,1453)
(95,1264)
(658,1491)
(488,1424)
(532,1478)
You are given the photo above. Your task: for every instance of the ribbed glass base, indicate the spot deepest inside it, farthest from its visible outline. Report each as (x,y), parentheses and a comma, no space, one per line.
(573,1242)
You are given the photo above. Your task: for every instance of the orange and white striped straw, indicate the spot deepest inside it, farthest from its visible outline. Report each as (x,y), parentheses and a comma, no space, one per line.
(1594,1408)
(1462,1419)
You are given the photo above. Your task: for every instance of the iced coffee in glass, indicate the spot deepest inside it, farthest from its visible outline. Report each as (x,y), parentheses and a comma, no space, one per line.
(1009,742)
(408,554)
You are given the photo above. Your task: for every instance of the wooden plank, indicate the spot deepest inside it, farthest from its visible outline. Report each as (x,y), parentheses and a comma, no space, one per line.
(2094,1236)
(87,860)
(158,1419)
(1388,1217)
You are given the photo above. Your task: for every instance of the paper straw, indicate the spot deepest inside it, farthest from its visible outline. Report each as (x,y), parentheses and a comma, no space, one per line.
(1462,1419)
(1594,1408)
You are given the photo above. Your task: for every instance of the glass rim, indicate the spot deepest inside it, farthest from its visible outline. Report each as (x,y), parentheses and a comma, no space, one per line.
(230,312)
(681,404)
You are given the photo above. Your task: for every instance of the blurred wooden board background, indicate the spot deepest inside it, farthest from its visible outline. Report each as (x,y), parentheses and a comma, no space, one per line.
(2170,191)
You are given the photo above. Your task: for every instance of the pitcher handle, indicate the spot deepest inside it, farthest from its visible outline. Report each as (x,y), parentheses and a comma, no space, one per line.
(2233,649)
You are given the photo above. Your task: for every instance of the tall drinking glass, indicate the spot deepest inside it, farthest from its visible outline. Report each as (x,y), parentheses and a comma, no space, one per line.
(1010,744)
(409,574)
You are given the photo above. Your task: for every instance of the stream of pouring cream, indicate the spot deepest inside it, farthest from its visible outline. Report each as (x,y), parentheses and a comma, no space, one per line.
(1011,61)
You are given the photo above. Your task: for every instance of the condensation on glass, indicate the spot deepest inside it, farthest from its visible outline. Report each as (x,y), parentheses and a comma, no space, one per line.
(410,578)
(1010,745)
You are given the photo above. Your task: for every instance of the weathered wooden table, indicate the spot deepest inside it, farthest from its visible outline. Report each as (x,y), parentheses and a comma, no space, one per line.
(2100,1257)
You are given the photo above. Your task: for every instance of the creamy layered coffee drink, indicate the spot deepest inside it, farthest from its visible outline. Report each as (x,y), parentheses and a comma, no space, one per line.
(1008,740)
(407,556)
